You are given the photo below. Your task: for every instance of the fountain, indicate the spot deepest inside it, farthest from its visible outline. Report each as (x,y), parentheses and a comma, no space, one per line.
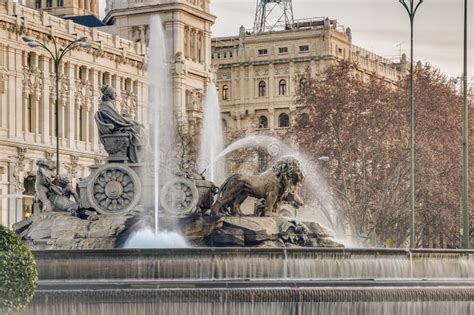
(212,138)
(162,133)
(319,207)
(117,250)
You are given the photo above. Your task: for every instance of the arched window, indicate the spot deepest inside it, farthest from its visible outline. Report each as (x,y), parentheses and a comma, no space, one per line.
(283,121)
(262,89)
(225,92)
(263,122)
(282,87)
(303,84)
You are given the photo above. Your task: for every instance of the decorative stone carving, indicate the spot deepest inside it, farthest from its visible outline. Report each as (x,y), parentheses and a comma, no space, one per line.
(53,193)
(295,232)
(117,146)
(19,171)
(114,127)
(277,184)
(32,80)
(129,104)
(114,189)
(179,196)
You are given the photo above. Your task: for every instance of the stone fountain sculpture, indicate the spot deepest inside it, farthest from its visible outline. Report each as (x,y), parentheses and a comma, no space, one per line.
(115,188)
(279,183)
(115,200)
(123,138)
(53,193)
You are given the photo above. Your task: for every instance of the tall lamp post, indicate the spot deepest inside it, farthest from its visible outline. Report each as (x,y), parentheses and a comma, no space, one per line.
(411,7)
(57,55)
(465,145)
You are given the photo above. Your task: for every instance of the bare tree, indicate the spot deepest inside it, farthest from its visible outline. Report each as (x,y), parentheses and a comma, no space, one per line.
(361,124)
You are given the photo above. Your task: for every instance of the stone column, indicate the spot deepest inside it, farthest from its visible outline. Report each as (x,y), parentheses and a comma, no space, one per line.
(273,84)
(178,30)
(68,118)
(142,35)
(24,113)
(293,82)
(242,84)
(93,137)
(45,102)
(271,118)
(36,115)
(86,127)
(16,88)
(252,84)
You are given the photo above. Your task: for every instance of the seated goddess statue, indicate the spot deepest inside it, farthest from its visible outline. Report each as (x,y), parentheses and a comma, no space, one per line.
(110,123)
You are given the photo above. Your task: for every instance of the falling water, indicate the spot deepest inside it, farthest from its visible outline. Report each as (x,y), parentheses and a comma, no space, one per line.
(149,239)
(161,106)
(315,183)
(254,281)
(162,135)
(212,137)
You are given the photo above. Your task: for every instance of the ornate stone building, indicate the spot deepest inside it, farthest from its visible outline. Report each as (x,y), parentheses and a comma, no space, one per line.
(259,74)
(27,129)
(188,27)
(65,7)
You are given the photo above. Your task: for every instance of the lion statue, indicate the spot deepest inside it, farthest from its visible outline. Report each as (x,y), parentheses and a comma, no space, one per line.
(277,184)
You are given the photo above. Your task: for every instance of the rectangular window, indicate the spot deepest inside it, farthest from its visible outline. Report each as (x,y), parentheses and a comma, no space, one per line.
(38,4)
(49,3)
(283,50)
(263,52)
(60,3)
(304,48)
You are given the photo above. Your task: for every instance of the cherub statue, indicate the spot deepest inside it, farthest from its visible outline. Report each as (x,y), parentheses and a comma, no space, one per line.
(44,180)
(66,188)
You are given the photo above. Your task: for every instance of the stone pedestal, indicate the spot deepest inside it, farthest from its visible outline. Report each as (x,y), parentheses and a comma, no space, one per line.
(117,188)
(117,146)
(255,232)
(62,231)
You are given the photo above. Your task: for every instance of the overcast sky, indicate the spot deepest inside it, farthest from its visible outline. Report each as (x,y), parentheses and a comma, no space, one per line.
(377,25)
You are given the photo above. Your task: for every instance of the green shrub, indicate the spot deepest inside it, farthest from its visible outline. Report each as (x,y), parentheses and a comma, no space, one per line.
(18,275)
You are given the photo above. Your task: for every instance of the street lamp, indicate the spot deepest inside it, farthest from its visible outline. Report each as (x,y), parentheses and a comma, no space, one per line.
(412,7)
(57,55)
(465,146)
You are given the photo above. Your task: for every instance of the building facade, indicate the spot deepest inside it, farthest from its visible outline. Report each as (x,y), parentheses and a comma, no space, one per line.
(187,25)
(259,74)
(65,7)
(27,91)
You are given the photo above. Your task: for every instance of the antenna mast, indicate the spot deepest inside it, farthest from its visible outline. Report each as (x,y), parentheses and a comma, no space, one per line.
(272,15)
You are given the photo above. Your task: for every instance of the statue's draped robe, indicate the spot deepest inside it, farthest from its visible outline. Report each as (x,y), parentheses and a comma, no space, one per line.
(109,121)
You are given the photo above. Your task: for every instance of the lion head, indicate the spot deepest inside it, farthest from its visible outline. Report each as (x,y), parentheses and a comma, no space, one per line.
(290,175)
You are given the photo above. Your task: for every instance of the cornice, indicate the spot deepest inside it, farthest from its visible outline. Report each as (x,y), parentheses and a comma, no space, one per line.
(156,8)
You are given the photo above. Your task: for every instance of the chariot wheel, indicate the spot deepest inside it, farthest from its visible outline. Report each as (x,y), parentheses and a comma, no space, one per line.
(179,196)
(114,189)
